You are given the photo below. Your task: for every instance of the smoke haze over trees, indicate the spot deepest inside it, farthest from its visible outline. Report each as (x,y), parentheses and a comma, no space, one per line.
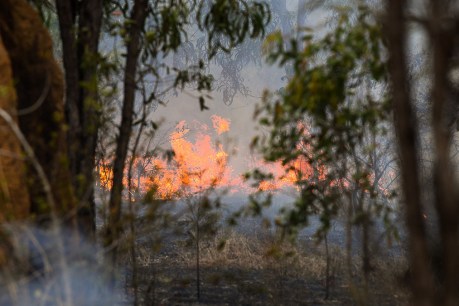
(132,132)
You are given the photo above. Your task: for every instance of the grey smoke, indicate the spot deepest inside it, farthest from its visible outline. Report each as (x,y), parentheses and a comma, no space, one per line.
(37,277)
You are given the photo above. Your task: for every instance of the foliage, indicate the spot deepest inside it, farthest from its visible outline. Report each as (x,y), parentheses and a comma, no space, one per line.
(171,59)
(333,104)
(225,25)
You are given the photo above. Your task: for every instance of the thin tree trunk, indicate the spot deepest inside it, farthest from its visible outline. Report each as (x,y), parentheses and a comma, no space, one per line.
(88,39)
(138,17)
(66,14)
(406,131)
(133,211)
(327,268)
(366,262)
(80,26)
(198,268)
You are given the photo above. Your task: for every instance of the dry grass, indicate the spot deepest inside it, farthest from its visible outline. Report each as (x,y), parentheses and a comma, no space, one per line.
(255,268)
(259,269)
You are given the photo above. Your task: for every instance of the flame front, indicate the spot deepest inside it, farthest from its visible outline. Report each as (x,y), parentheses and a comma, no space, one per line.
(197,165)
(200,163)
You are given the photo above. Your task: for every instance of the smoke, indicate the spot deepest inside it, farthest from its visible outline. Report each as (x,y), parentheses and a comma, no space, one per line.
(239,113)
(36,276)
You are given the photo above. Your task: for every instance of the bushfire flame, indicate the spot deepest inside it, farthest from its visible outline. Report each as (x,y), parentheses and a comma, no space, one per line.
(200,163)
(197,165)
(221,125)
(287,176)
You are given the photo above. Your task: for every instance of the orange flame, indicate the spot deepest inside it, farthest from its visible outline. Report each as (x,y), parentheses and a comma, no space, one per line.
(105,175)
(287,176)
(196,166)
(221,125)
(200,164)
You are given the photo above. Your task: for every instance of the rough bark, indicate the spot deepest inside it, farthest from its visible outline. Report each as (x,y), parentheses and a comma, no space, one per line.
(446,196)
(39,86)
(89,33)
(80,26)
(14,198)
(139,14)
(66,15)
(406,132)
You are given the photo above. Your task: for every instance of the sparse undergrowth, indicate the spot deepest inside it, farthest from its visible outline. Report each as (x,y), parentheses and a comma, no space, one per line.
(258,269)
(237,267)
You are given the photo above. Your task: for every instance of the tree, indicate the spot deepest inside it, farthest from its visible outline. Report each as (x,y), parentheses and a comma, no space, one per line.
(34,133)
(39,87)
(325,123)
(227,24)
(441,28)
(66,145)
(80,25)
(12,169)
(200,221)
(323,92)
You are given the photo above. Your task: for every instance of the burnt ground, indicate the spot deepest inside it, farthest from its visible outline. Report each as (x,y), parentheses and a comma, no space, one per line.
(254,271)
(243,265)
(251,266)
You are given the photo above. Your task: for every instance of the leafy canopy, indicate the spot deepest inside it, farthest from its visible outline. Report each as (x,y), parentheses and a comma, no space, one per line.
(332,103)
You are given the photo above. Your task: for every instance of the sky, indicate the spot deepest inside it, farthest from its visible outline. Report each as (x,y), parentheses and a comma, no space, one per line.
(239,113)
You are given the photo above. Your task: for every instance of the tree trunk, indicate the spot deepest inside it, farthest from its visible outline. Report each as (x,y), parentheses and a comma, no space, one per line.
(138,16)
(446,195)
(39,86)
(406,131)
(80,49)
(14,200)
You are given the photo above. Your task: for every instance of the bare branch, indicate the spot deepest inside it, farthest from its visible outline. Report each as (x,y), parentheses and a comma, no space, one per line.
(49,198)
(40,100)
